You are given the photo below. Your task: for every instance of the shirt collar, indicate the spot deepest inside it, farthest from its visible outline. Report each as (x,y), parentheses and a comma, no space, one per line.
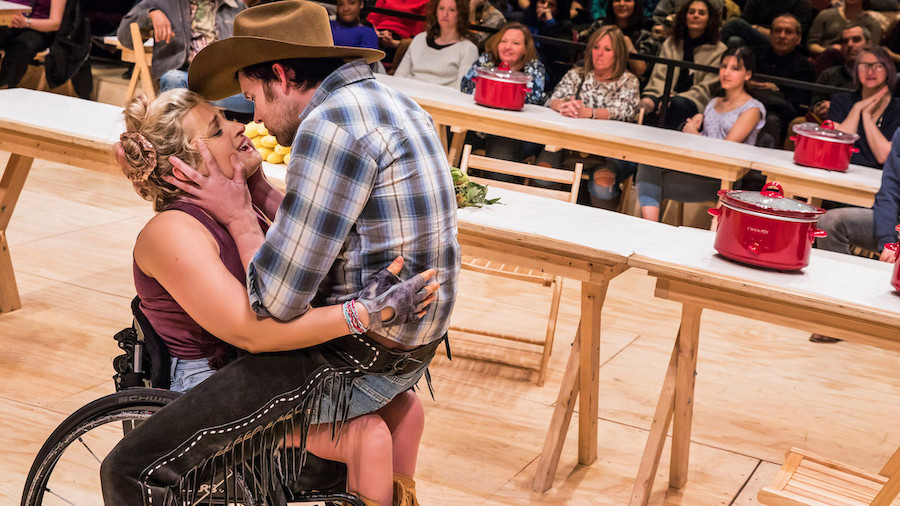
(347,74)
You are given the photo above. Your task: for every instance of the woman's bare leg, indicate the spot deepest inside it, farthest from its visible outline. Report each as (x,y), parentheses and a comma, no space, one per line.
(365,446)
(405,418)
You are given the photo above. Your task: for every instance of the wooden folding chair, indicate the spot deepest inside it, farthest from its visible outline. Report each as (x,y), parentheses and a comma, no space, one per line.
(141,56)
(809,480)
(532,172)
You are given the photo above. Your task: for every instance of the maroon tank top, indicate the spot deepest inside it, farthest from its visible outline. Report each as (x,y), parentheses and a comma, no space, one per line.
(183,336)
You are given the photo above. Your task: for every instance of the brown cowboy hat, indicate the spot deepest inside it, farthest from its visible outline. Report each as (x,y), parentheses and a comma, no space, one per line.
(268,32)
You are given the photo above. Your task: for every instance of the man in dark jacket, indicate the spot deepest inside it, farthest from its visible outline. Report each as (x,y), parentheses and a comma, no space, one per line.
(782,57)
(754,26)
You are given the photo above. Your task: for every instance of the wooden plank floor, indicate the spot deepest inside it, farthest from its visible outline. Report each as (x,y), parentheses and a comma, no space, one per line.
(760,388)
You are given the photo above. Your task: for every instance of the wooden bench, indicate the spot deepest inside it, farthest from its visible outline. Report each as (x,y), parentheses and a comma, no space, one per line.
(142,61)
(808,480)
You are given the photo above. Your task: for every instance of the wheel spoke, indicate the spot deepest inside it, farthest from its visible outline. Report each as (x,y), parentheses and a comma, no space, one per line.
(60,497)
(88,448)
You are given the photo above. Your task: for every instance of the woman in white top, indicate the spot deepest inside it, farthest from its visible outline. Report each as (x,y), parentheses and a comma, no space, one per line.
(736,117)
(442,54)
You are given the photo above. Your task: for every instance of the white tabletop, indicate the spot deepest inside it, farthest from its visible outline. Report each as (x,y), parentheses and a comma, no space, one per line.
(12,6)
(577,225)
(775,161)
(845,279)
(58,114)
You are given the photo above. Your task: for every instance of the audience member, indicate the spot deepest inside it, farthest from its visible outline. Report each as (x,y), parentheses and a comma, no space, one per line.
(695,38)
(666,8)
(26,36)
(854,38)
(872,228)
(736,117)
(483,13)
(602,89)
(196,25)
(441,54)
(628,16)
(825,34)
(392,29)
(753,27)
(347,29)
(871,111)
(514,46)
(550,18)
(782,57)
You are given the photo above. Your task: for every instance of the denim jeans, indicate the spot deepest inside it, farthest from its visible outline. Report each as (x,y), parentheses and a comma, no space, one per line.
(846,227)
(186,374)
(654,184)
(178,79)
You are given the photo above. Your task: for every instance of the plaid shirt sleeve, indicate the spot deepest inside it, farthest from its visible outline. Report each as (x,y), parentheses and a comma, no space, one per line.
(329,181)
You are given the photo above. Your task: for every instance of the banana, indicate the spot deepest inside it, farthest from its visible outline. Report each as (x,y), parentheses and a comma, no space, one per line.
(275,158)
(269,141)
(281,150)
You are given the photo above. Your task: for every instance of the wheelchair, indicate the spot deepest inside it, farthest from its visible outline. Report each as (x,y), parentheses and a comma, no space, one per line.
(66,470)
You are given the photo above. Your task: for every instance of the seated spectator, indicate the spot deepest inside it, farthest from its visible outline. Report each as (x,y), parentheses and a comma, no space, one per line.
(871,111)
(754,25)
(441,54)
(736,117)
(666,8)
(602,89)
(26,36)
(854,38)
(550,18)
(347,29)
(391,29)
(870,229)
(483,13)
(628,16)
(824,36)
(514,46)
(782,57)
(174,46)
(695,38)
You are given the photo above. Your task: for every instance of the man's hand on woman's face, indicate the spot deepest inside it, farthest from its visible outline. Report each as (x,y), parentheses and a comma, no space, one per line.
(227,200)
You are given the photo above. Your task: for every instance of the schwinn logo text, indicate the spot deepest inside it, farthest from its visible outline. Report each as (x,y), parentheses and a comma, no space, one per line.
(758,230)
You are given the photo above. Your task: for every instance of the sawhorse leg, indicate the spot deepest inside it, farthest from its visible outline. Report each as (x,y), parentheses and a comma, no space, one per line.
(10,188)
(676,403)
(581,377)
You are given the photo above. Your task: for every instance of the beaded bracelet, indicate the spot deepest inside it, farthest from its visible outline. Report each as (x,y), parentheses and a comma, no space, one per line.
(352,317)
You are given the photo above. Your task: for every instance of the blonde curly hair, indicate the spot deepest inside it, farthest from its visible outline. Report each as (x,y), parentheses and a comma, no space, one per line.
(154,131)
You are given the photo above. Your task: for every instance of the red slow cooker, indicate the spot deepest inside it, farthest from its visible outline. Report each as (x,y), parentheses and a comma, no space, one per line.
(823,147)
(501,88)
(895,279)
(765,228)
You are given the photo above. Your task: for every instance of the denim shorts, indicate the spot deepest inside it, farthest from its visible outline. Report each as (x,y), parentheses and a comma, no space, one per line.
(186,374)
(369,393)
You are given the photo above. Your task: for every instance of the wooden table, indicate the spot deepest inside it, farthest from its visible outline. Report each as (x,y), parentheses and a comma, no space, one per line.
(836,295)
(61,129)
(577,242)
(670,149)
(857,186)
(10,9)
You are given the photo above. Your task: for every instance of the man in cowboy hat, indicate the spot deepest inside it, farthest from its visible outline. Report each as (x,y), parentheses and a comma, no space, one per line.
(367,181)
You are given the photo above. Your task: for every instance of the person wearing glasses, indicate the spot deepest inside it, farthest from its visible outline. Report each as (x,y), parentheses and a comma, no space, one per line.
(871,111)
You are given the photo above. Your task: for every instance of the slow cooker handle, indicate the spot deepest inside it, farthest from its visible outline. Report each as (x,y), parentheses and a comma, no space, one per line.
(773,189)
(816,233)
(715,212)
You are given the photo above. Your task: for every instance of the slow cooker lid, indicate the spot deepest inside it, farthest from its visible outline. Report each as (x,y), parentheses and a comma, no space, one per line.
(771,201)
(824,134)
(501,74)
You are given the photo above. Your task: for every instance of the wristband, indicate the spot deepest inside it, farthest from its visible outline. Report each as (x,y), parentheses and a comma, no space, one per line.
(352,318)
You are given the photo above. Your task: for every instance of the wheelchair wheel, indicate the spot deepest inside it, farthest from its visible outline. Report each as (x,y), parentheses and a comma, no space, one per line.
(66,470)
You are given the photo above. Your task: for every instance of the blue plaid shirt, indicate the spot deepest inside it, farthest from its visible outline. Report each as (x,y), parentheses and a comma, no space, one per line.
(368,180)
